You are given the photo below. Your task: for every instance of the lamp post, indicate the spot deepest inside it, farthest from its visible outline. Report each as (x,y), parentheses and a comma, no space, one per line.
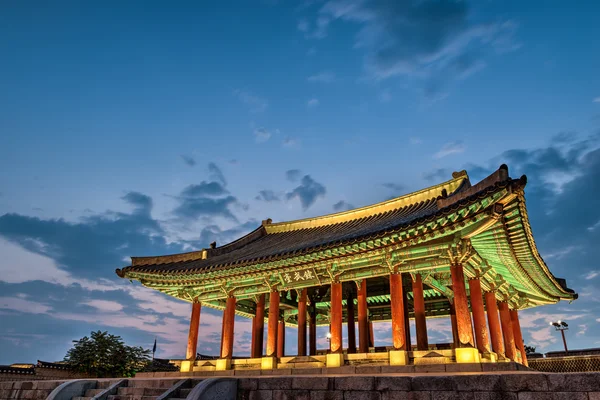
(561,326)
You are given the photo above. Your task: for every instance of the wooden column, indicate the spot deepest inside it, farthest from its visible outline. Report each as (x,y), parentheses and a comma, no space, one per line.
(519,344)
(398,321)
(192,343)
(312,328)
(258,327)
(302,323)
(406,317)
(350,322)
(481,331)
(453,324)
(420,320)
(281,339)
(507,331)
(336,317)
(371,335)
(494,323)
(228,322)
(272,324)
(461,306)
(363,321)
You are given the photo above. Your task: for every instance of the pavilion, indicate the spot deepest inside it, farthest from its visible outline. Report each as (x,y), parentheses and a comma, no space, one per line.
(453,249)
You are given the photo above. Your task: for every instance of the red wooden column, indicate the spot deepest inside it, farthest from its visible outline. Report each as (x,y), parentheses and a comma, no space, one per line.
(494,323)
(351,325)
(519,344)
(371,335)
(336,317)
(363,321)
(312,327)
(398,321)
(192,343)
(420,320)
(281,339)
(453,324)
(461,306)
(481,332)
(272,324)
(258,327)
(228,321)
(302,323)
(507,331)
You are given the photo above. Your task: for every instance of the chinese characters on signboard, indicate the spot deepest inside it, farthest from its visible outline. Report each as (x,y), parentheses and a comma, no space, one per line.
(300,277)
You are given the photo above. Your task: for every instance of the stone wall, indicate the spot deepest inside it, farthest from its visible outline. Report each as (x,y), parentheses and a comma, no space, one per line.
(30,390)
(507,386)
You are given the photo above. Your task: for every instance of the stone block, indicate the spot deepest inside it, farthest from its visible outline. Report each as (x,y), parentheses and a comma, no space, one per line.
(451,395)
(346,370)
(585,382)
(291,394)
(354,383)
(402,383)
(519,382)
(261,395)
(433,383)
(280,371)
(312,383)
(306,371)
(399,395)
(569,396)
(533,396)
(223,364)
(426,368)
(397,369)
(465,367)
(594,395)
(186,366)
(326,395)
(368,369)
(494,395)
(247,384)
(6,385)
(334,360)
(268,363)
(268,383)
(466,355)
(246,372)
(478,383)
(398,357)
(360,395)
(27,385)
(48,385)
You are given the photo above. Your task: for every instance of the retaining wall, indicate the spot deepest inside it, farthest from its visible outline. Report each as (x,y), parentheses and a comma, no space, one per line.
(30,390)
(507,386)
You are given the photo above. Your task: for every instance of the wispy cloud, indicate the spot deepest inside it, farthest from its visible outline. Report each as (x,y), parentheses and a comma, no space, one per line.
(322,77)
(307,192)
(262,134)
(456,147)
(596,100)
(591,275)
(312,103)
(290,142)
(188,160)
(342,205)
(255,103)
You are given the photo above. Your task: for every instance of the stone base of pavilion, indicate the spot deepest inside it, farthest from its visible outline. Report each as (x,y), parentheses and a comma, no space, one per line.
(434,361)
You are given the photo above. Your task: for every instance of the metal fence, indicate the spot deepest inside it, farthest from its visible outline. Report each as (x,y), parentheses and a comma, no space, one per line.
(566,364)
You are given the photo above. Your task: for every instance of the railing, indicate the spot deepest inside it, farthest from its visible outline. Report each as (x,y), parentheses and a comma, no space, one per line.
(566,364)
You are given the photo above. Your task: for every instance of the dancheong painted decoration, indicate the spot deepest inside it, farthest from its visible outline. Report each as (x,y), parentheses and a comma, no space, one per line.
(452,250)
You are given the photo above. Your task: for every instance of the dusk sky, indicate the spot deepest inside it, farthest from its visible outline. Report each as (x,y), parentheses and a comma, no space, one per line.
(134,128)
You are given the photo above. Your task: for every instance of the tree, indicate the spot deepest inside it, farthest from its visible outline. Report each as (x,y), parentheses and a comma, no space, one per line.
(529,349)
(104,355)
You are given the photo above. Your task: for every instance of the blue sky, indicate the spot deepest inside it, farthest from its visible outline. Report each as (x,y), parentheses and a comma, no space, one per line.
(141,128)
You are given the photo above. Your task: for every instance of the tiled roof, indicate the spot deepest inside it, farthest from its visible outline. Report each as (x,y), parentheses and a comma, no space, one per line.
(293,238)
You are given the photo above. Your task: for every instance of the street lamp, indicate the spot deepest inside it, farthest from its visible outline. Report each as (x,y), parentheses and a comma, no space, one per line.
(561,326)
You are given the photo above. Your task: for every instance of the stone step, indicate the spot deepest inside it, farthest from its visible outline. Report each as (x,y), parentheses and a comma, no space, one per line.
(184,392)
(106,383)
(81,398)
(152,383)
(141,391)
(93,392)
(131,397)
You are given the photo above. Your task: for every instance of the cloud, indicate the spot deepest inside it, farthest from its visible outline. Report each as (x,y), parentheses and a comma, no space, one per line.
(322,77)
(262,134)
(188,160)
(312,103)
(204,189)
(342,206)
(293,175)
(395,187)
(307,192)
(141,202)
(191,208)
(596,100)
(214,233)
(255,103)
(290,142)
(447,149)
(438,174)
(104,305)
(385,96)
(215,173)
(432,41)
(23,305)
(267,195)
(591,275)
(303,25)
